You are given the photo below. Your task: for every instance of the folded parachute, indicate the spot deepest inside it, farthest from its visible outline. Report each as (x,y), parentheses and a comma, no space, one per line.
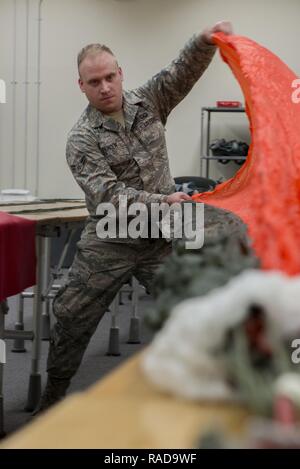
(265,192)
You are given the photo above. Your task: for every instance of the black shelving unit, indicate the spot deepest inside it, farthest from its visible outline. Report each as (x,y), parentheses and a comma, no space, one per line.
(205,136)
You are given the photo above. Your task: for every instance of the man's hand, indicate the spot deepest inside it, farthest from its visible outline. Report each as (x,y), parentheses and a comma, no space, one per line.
(222,26)
(177,197)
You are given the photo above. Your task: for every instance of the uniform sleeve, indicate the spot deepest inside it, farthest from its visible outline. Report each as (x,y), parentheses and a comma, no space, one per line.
(166,89)
(95,176)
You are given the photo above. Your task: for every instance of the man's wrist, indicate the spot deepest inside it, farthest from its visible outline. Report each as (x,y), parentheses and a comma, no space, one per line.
(157,198)
(164,199)
(201,45)
(203,41)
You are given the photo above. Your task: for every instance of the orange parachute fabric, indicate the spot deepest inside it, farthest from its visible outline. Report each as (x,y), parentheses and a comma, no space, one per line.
(265,192)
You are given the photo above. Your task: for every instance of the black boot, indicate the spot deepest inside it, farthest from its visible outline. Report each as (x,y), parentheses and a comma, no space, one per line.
(54,392)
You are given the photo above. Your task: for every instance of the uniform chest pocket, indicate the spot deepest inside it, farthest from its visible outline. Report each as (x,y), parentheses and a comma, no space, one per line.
(150,132)
(114,150)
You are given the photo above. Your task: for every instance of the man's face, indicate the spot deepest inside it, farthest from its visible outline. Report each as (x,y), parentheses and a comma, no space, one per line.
(101,80)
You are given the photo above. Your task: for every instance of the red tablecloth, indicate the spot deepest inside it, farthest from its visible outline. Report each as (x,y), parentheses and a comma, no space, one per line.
(17,254)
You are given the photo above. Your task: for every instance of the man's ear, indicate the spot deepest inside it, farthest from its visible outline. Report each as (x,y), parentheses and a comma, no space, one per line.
(121,74)
(80,83)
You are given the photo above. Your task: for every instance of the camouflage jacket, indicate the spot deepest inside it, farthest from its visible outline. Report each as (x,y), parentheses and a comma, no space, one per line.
(108,160)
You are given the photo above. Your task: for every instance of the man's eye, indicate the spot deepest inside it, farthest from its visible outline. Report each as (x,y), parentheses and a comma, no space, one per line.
(110,77)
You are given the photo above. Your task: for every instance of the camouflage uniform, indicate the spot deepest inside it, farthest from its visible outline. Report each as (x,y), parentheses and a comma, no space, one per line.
(107,161)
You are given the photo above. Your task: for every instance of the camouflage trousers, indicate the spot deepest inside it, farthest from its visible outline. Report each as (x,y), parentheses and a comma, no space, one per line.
(98,272)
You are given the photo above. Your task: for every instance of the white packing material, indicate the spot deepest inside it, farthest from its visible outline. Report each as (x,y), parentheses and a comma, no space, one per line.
(183,358)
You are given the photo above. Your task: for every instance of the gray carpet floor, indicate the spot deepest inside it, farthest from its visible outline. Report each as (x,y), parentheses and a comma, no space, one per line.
(95,365)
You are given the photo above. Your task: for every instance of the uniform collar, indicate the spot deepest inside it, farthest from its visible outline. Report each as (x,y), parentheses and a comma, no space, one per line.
(130,107)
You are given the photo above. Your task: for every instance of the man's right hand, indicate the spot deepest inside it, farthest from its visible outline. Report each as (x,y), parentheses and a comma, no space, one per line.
(177,197)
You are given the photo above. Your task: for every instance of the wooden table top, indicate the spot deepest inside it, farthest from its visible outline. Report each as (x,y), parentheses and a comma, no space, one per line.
(123,411)
(48,211)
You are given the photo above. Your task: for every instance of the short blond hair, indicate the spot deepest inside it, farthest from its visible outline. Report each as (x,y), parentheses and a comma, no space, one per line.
(92,49)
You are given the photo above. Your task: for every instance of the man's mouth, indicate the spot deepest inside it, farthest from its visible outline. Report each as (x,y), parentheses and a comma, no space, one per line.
(106,98)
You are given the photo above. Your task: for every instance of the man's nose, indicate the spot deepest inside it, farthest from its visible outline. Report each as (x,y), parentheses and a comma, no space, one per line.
(104,88)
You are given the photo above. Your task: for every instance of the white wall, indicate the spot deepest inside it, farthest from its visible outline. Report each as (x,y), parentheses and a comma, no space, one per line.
(145,35)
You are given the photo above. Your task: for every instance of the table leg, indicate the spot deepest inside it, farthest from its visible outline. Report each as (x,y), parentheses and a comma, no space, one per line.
(34,389)
(49,278)
(114,333)
(19,344)
(46,277)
